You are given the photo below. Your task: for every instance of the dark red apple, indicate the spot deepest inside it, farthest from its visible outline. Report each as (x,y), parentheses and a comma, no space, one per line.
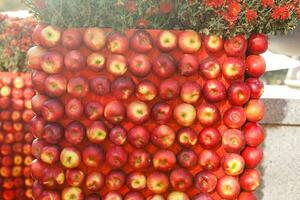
(164,66)
(146,91)
(238,93)
(213,43)
(190,92)
(214,91)
(252,156)
(164,160)
(75,132)
(53,177)
(74,60)
(94,38)
(52,62)
(118,135)
(169,89)
(140,65)
(258,44)
(206,181)
(250,180)
(236,46)
(166,40)
(254,134)
(136,181)
(71,38)
(255,65)
(141,41)
(122,88)
(117,65)
(38,81)
(210,69)
(233,68)
(157,182)
(113,196)
(138,136)
(138,112)
(208,114)
(94,110)
(187,158)
(37,146)
(53,133)
(210,138)
(52,110)
(181,179)
(100,85)
(46,195)
(256,87)
(188,65)
(233,140)
(228,187)
(139,159)
(209,160)
(93,156)
(155,197)
(115,180)
(161,112)
(117,43)
(202,196)
(94,181)
(189,41)
(75,177)
(114,112)
(163,136)
(96,61)
(78,87)
(74,109)
(134,196)
(187,137)
(116,157)
(235,117)
(97,132)
(37,126)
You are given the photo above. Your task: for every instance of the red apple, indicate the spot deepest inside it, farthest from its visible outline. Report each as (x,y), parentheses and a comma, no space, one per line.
(233,68)
(136,181)
(37,126)
(50,154)
(206,181)
(164,66)
(210,138)
(37,168)
(157,182)
(213,43)
(185,114)
(74,61)
(71,38)
(50,36)
(190,92)
(46,195)
(37,146)
(115,180)
(74,108)
(53,133)
(100,85)
(93,197)
(214,91)
(188,65)
(139,159)
(256,65)
(94,38)
(28,93)
(181,179)
(258,44)
(113,196)
(94,181)
(5,102)
(163,136)
(233,164)
(37,189)
(169,89)
(254,134)
(74,177)
(134,196)
(117,43)
(247,196)
(70,157)
(161,112)
(55,85)
(256,87)
(236,46)
(238,93)
(97,132)
(117,65)
(34,57)
(75,132)
(178,196)
(93,156)
(114,112)
(233,140)
(53,177)
(122,88)
(96,61)
(36,33)
(187,137)
(52,62)
(155,197)
(202,196)
(255,110)
(166,40)
(74,193)
(228,187)
(78,87)
(235,117)
(252,156)
(210,69)
(146,91)
(138,136)
(94,110)
(138,112)
(164,160)
(141,41)
(52,110)
(5,91)
(116,157)
(209,160)
(250,180)
(208,114)
(118,135)
(140,65)
(189,41)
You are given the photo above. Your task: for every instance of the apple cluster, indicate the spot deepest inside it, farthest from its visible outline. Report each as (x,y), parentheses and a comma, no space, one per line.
(15,136)
(145,114)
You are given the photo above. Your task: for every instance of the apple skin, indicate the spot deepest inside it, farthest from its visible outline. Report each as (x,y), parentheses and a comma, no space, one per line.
(185,114)
(228,187)
(169,89)
(208,114)
(50,36)
(257,44)
(255,65)
(93,197)
(252,156)
(100,85)
(38,80)
(158,182)
(114,112)
(52,62)
(94,38)
(256,87)
(75,132)
(94,181)
(52,110)
(50,154)
(28,93)
(235,46)
(214,91)
(5,102)
(255,110)
(96,61)
(37,168)
(209,160)
(75,193)
(161,112)
(254,134)
(37,126)
(181,179)
(71,38)
(118,135)
(247,196)
(138,136)
(138,112)
(117,43)
(164,160)
(178,196)
(189,41)
(188,65)
(141,41)
(140,65)
(163,136)
(187,137)
(134,196)
(74,60)
(213,43)
(139,159)
(164,66)
(117,65)
(210,69)
(37,189)
(70,157)
(53,133)
(233,68)
(94,110)
(123,88)
(155,197)
(235,117)
(116,157)
(113,196)
(233,141)
(146,91)
(190,92)
(209,138)
(97,132)
(166,41)
(202,196)
(93,156)
(75,177)
(53,177)
(34,57)
(46,195)
(206,181)
(238,93)
(233,164)
(136,181)
(74,109)
(115,180)
(78,87)
(250,180)
(36,33)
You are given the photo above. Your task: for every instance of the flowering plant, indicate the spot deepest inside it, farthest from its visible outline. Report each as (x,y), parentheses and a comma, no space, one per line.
(223,17)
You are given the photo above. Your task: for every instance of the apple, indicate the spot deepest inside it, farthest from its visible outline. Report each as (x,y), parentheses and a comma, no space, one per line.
(250,180)
(214,91)
(52,62)
(8,161)
(52,110)
(233,164)
(117,43)
(112,196)
(228,187)
(157,182)
(38,81)
(247,196)
(116,65)
(94,181)
(94,38)
(146,91)
(202,196)
(5,102)
(187,137)
(252,156)
(256,87)
(161,112)
(254,134)
(140,65)
(189,41)
(181,179)
(55,85)
(233,68)
(94,110)
(209,138)
(74,60)
(166,41)
(233,140)
(141,41)
(185,114)
(257,44)
(210,69)
(96,61)
(255,65)
(74,108)
(50,154)
(164,160)
(37,126)
(70,157)
(155,197)
(34,57)
(188,65)
(235,117)
(17,93)
(5,172)
(53,177)
(115,180)
(74,193)
(138,112)
(213,43)
(50,36)
(208,114)
(78,87)
(209,160)
(37,189)
(18,104)
(114,112)
(92,156)
(6,149)
(36,33)
(178,196)
(74,132)
(136,181)
(190,92)
(100,85)
(236,46)
(206,181)
(163,136)
(97,132)
(134,196)
(139,159)
(138,136)
(164,66)
(74,177)
(71,38)
(238,93)
(53,133)
(5,91)
(122,88)
(169,89)
(118,135)
(255,110)
(46,195)
(116,157)
(28,93)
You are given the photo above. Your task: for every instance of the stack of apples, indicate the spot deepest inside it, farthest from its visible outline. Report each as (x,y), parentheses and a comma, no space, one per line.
(15,136)
(145,114)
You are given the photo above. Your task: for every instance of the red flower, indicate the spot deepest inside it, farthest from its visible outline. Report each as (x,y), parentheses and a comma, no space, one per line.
(214,3)
(131,6)
(165,7)
(267,3)
(281,12)
(142,23)
(251,15)
(233,12)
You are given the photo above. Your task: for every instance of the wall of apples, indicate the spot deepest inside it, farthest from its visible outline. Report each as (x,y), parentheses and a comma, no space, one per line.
(15,137)
(147,114)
